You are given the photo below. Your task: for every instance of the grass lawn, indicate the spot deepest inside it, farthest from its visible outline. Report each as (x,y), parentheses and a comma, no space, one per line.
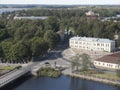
(102,75)
(107,75)
(7,67)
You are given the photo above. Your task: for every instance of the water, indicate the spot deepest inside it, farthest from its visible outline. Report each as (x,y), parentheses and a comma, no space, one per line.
(62,83)
(2,10)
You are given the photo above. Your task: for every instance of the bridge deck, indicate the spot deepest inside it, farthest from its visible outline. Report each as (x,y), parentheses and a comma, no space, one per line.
(11,76)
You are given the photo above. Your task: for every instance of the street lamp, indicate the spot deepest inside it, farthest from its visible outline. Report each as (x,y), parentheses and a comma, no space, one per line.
(32,57)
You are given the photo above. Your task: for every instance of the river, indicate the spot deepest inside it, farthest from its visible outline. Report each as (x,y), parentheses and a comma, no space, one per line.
(62,83)
(2,10)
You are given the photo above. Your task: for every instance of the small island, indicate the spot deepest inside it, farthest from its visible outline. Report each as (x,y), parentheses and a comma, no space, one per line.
(49,71)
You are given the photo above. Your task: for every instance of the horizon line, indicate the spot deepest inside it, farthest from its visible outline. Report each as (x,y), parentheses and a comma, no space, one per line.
(58,4)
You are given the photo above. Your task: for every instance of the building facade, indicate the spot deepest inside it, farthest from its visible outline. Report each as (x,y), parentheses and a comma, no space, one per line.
(93,44)
(110,61)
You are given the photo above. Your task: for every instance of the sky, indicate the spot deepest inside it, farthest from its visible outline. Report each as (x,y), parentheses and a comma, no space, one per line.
(64,2)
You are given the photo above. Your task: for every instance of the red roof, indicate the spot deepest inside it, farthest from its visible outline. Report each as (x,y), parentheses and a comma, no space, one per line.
(112,58)
(115,54)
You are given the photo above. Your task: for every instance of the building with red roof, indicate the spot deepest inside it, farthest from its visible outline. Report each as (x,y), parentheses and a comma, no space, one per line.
(109,61)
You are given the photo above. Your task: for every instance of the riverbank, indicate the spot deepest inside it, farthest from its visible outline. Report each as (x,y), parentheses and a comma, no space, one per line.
(52,73)
(94,78)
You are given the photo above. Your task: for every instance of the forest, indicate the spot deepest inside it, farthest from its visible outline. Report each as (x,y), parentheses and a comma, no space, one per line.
(21,40)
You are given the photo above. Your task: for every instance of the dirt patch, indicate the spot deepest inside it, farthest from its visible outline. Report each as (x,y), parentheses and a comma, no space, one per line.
(68,53)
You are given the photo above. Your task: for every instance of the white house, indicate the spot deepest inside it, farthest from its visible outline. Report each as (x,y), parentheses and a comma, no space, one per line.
(93,44)
(109,61)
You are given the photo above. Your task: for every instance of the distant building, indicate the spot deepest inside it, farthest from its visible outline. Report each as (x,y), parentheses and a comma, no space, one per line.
(31,17)
(109,61)
(93,44)
(91,15)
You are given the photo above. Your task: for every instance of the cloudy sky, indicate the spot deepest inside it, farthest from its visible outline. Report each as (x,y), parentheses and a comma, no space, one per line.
(68,2)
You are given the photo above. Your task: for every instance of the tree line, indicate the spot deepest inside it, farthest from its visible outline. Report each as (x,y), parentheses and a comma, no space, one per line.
(75,20)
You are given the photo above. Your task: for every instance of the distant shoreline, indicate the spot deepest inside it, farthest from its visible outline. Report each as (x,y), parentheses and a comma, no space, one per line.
(2,10)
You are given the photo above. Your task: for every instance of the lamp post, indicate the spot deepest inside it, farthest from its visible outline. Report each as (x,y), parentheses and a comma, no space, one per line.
(32,57)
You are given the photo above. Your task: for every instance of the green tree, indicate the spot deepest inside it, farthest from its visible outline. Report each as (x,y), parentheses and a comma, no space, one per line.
(39,46)
(39,33)
(75,63)
(52,24)
(52,38)
(85,61)
(19,51)
(1,52)
(3,34)
(81,61)
(6,45)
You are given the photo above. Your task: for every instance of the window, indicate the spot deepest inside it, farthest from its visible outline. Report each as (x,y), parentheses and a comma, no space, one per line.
(79,42)
(116,66)
(102,49)
(76,42)
(107,45)
(102,44)
(98,44)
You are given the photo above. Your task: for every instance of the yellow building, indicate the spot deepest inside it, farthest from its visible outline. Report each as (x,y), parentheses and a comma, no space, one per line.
(93,44)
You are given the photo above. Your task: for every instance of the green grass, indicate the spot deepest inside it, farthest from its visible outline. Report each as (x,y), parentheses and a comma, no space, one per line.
(7,67)
(89,72)
(108,76)
(101,74)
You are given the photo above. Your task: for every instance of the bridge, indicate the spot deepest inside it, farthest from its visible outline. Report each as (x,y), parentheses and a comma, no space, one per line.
(15,74)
